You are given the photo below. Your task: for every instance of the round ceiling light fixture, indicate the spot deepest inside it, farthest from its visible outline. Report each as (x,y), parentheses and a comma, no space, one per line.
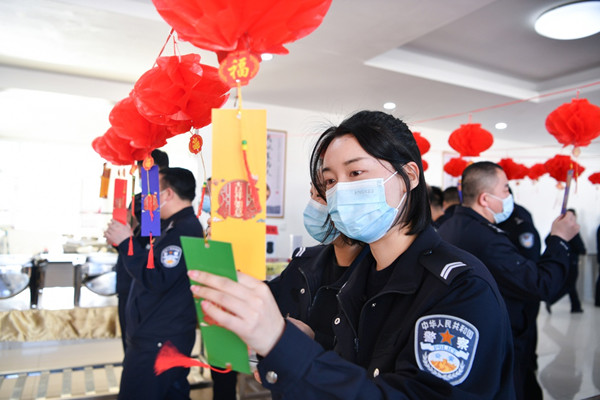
(389,105)
(570,21)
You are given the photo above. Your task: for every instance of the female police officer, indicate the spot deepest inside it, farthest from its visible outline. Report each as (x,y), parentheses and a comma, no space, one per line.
(418,318)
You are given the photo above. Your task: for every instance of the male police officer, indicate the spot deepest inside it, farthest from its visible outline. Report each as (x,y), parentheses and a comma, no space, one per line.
(486,202)
(160,307)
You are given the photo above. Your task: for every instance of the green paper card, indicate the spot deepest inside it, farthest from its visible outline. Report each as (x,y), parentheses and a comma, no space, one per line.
(223,347)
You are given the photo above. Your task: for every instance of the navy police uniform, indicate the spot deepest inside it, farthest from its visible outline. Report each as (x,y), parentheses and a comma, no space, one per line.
(522,233)
(520,281)
(160,308)
(305,291)
(426,334)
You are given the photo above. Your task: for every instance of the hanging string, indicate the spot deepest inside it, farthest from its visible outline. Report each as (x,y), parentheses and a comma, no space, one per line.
(164,45)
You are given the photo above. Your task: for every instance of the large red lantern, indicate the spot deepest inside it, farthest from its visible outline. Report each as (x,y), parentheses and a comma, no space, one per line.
(470,140)
(424,146)
(129,124)
(180,93)
(559,165)
(455,166)
(595,178)
(576,123)
(536,171)
(255,27)
(117,150)
(513,170)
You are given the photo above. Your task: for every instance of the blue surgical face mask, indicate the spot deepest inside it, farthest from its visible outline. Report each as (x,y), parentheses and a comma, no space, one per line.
(315,217)
(206,203)
(359,209)
(508,205)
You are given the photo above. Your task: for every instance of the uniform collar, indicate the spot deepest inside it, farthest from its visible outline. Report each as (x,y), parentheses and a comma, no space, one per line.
(469,212)
(170,222)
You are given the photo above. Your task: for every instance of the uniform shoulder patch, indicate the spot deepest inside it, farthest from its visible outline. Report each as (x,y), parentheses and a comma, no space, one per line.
(443,264)
(445,346)
(526,240)
(170,256)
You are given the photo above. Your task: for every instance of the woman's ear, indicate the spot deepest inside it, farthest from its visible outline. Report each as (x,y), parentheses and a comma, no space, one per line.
(412,171)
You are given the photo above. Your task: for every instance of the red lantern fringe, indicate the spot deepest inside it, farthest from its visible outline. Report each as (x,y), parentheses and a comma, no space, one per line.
(470,140)
(169,357)
(559,165)
(455,166)
(576,123)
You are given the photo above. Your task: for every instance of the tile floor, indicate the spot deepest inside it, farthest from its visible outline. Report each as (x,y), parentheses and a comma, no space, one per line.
(568,350)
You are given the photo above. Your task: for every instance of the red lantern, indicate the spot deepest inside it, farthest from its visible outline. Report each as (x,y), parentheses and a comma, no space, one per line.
(260,26)
(455,166)
(595,178)
(513,170)
(425,165)
(576,123)
(116,150)
(470,140)
(559,165)
(422,143)
(180,93)
(536,171)
(129,124)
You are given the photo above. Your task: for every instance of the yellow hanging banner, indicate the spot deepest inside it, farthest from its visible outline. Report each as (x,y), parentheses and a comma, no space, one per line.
(238,189)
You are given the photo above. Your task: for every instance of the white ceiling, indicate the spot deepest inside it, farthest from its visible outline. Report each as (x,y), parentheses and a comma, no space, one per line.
(433,58)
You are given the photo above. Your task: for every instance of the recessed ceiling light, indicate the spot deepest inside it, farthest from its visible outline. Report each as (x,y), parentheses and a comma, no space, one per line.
(570,21)
(266,56)
(501,125)
(389,105)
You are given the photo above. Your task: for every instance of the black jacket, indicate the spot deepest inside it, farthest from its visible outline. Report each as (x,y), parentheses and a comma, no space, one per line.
(391,346)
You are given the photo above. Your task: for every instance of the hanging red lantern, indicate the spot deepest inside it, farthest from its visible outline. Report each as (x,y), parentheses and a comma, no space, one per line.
(262,26)
(559,165)
(129,124)
(576,123)
(422,143)
(180,93)
(116,150)
(470,140)
(595,178)
(536,171)
(425,165)
(455,166)
(513,170)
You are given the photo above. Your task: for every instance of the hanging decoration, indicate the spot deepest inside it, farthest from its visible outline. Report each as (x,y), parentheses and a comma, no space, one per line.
(424,146)
(512,169)
(576,123)
(116,150)
(238,67)
(180,93)
(595,178)
(455,166)
(470,140)
(536,171)
(229,26)
(559,165)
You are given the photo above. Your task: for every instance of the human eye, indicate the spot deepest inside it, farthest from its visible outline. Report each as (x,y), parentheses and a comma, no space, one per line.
(355,173)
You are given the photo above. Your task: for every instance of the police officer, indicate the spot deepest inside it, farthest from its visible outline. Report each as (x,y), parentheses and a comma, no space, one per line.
(522,232)
(414,316)
(160,307)
(487,202)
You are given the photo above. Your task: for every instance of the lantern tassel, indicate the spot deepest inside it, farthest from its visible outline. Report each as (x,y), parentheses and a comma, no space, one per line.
(130,249)
(169,357)
(151,254)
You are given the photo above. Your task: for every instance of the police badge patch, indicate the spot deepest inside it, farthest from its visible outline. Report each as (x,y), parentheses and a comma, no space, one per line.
(170,256)
(445,347)
(526,240)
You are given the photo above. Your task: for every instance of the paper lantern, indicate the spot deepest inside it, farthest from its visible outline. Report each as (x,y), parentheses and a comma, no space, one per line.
(595,178)
(260,26)
(513,170)
(117,150)
(129,124)
(559,165)
(536,171)
(180,93)
(422,143)
(576,123)
(455,166)
(470,140)
(425,165)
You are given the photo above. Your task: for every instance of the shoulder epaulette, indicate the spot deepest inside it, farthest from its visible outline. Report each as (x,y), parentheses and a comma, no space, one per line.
(445,265)
(307,251)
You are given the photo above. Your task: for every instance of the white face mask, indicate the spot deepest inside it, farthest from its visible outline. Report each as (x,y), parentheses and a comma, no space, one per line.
(359,209)
(508,205)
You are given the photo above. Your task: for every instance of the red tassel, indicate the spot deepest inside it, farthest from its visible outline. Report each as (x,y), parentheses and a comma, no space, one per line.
(130,250)
(151,254)
(169,357)
(201,200)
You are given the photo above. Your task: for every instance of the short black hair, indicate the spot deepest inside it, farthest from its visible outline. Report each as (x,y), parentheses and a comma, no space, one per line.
(451,195)
(181,180)
(387,138)
(436,196)
(478,178)
(161,159)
